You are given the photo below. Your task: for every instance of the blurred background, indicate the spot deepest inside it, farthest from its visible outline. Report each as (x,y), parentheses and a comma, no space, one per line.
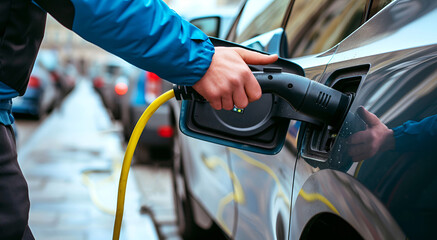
(72,127)
(72,47)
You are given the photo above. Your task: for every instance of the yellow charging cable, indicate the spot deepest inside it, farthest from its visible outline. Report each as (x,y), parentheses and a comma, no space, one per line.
(132,144)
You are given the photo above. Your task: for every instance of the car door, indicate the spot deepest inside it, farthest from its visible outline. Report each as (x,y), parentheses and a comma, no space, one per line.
(209,175)
(389,67)
(265,185)
(266,181)
(210,180)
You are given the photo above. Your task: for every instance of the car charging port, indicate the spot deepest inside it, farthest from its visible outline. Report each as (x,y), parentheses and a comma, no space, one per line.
(319,141)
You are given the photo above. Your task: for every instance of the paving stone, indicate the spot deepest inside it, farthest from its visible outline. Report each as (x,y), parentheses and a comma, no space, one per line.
(54,235)
(43,218)
(99,234)
(169,230)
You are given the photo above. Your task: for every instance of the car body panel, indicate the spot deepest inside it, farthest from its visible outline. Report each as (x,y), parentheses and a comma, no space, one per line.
(211,181)
(268,179)
(266,184)
(401,76)
(329,191)
(389,196)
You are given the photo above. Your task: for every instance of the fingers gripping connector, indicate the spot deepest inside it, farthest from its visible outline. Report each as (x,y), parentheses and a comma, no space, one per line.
(186,93)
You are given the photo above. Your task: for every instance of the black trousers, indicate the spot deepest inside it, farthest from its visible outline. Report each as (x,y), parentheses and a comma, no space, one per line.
(14,195)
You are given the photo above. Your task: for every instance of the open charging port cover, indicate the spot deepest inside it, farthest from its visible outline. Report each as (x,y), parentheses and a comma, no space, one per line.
(254,128)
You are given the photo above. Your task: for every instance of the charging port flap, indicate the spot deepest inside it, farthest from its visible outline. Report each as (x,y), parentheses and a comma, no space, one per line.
(253,128)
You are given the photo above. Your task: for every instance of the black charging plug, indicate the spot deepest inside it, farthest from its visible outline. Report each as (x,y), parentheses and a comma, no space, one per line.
(186,93)
(308,97)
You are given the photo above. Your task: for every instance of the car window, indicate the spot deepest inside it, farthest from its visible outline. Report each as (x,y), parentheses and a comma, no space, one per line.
(258,17)
(208,25)
(316,25)
(377,5)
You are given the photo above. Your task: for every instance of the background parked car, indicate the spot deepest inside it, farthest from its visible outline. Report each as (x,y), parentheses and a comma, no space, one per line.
(156,140)
(68,76)
(386,59)
(63,75)
(41,94)
(111,81)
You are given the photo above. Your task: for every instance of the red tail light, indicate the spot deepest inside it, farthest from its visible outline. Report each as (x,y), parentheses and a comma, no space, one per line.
(55,76)
(98,82)
(34,82)
(121,88)
(153,86)
(165,131)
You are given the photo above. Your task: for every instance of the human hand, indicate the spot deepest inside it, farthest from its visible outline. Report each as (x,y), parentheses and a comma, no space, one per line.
(229,81)
(376,138)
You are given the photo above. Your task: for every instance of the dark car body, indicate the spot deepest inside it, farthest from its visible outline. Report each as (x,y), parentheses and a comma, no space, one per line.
(382,53)
(156,140)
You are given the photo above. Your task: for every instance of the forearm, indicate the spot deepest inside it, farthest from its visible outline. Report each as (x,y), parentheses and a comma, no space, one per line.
(416,136)
(145,33)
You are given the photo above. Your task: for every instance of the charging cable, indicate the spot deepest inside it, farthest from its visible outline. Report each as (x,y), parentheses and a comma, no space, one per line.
(181,93)
(132,144)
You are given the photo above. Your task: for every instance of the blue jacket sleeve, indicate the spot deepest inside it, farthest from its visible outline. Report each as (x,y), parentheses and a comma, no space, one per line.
(416,136)
(147,34)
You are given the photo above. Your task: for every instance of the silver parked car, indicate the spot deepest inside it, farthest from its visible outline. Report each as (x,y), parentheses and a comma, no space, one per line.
(333,182)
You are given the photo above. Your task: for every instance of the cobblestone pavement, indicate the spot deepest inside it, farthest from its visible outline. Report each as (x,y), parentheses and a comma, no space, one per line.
(72,164)
(157,198)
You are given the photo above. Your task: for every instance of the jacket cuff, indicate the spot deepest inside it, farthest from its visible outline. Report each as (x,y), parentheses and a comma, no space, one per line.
(199,66)
(401,138)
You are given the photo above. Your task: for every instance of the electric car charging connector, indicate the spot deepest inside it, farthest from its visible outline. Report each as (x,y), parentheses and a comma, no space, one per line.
(308,97)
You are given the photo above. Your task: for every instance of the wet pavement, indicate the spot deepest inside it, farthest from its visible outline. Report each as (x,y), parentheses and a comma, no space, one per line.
(72,163)
(157,198)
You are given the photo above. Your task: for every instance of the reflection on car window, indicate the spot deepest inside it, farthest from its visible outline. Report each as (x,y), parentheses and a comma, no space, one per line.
(400,167)
(377,5)
(208,25)
(317,25)
(260,16)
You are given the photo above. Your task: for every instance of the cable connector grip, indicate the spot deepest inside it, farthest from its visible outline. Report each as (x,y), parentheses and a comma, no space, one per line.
(186,93)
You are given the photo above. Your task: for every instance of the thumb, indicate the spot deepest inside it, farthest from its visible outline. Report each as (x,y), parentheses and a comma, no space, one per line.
(255,58)
(369,118)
